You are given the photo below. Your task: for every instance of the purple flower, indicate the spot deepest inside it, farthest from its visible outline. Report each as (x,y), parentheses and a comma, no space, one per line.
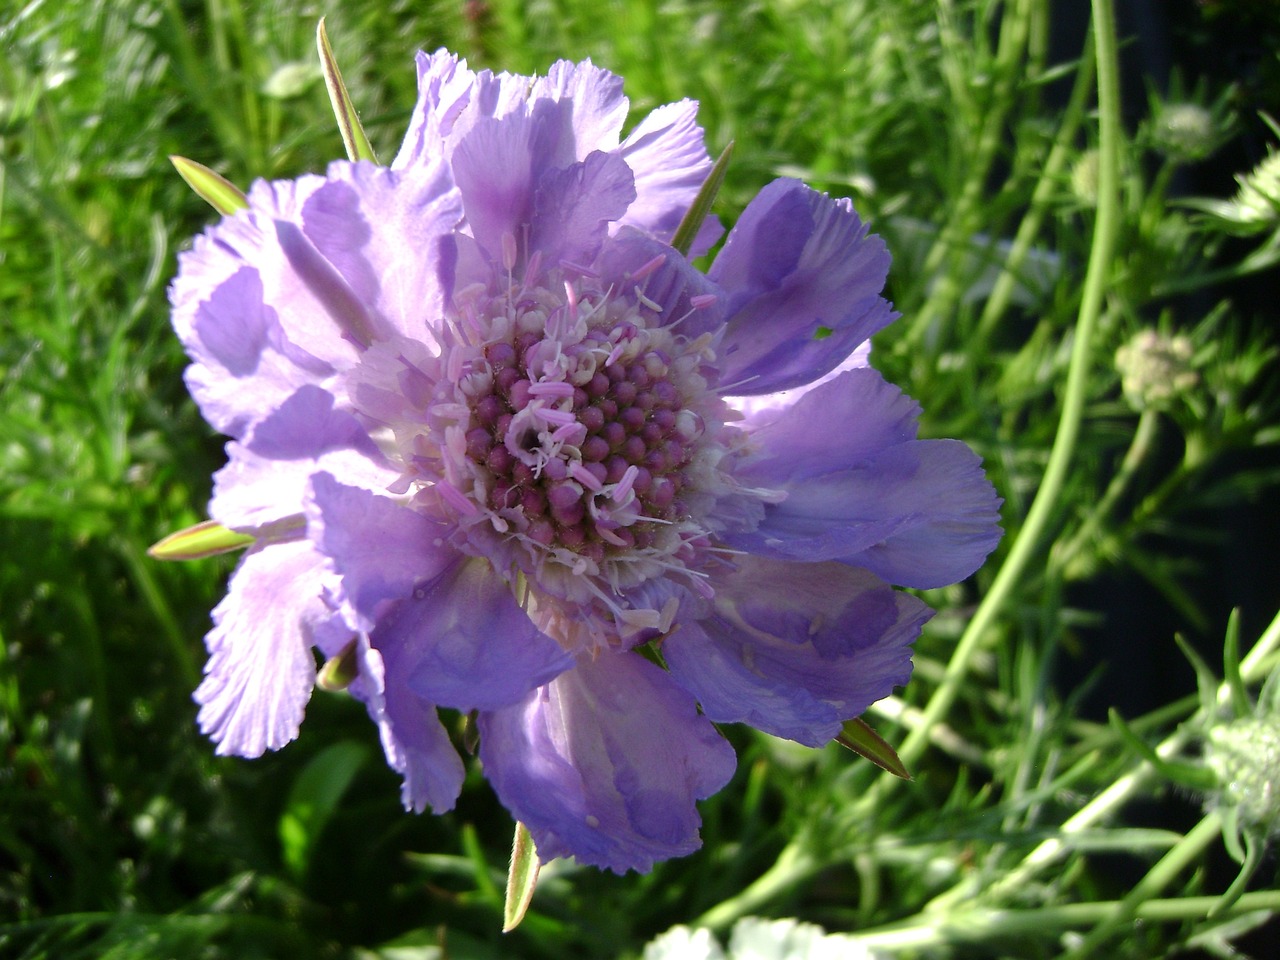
(492,435)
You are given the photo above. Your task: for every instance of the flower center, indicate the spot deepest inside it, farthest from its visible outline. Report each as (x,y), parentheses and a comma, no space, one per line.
(576,430)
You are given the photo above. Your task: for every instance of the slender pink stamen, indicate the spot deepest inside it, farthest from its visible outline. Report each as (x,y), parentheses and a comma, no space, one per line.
(551,388)
(586,478)
(647,268)
(623,486)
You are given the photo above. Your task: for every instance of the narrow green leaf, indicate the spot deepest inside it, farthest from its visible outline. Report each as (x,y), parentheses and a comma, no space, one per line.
(358,147)
(314,799)
(206,539)
(858,736)
(1206,681)
(1231,666)
(522,878)
(213,188)
(1186,774)
(701,206)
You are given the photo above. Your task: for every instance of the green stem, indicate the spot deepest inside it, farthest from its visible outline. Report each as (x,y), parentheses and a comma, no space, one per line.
(793,865)
(1048,183)
(1047,497)
(969,207)
(1158,877)
(984,925)
(1139,447)
(1253,669)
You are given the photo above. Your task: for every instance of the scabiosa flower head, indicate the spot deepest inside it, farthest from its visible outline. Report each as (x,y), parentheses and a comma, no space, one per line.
(503,450)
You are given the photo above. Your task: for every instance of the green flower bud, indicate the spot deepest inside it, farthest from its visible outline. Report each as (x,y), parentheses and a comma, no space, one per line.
(1185,132)
(1084,178)
(1154,368)
(1245,757)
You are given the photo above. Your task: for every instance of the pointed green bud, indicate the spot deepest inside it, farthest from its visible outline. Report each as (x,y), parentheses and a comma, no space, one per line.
(338,672)
(698,211)
(207,539)
(214,189)
(358,147)
(858,736)
(522,879)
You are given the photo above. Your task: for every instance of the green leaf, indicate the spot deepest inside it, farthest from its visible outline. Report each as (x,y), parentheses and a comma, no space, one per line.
(314,798)
(1231,666)
(1186,774)
(858,736)
(213,188)
(206,539)
(522,878)
(358,147)
(701,206)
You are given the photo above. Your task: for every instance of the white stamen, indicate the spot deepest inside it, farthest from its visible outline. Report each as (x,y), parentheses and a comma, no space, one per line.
(651,304)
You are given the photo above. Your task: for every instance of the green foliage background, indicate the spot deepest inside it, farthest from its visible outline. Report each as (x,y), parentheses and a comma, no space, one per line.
(964,131)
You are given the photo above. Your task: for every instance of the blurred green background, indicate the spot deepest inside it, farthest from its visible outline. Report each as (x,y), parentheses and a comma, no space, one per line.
(953,125)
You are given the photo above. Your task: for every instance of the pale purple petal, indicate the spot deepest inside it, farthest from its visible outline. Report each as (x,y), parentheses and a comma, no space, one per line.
(413,738)
(860,489)
(668,153)
(266,478)
(803,280)
(606,763)
(379,550)
(574,206)
(589,109)
(261,669)
(765,407)
(242,364)
(445,87)
(795,649)
(462,641)
(495,172)
(383,232)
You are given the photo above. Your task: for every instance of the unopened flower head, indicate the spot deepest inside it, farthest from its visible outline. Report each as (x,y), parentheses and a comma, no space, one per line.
(493,434)
(1245,757)
(1185,131)
(1155,368)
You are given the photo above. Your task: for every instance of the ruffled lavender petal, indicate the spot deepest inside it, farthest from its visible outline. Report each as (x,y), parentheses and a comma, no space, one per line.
(462,641)
(383,233)
(587,105)
(261,670)
(266,478)
(242,362)
(804,281)
(574,206)
(378,550)
(795,649)
(919,513)
(606,763)
(578,107)
(413,738)
(668,153)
